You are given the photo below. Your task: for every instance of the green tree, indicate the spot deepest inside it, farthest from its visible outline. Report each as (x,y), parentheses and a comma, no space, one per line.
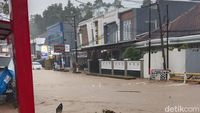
(53,14)
(39,24)
(117,4)
(132,53)
(56,13)
(86,10)
(6,7)
(98,4)
(33,27)
(146,2)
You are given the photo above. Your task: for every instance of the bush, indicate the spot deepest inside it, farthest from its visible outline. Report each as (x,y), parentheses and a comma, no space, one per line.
(132,53)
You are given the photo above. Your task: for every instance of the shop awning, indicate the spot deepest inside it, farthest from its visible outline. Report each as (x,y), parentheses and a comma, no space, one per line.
(111,46)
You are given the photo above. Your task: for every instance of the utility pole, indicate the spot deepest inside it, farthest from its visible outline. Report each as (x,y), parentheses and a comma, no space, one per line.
(75,40)
(167,7)
(161,36)
(150,39)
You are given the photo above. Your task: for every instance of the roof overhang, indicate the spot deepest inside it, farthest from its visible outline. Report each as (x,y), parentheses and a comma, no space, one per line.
(110,46)
(5,29)
(172,41)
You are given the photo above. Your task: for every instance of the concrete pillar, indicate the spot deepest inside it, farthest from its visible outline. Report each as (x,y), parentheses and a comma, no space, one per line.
(89,67)
(22,56)
(141,68)
(126,67)
(112,64)
(185,78)
(100,70)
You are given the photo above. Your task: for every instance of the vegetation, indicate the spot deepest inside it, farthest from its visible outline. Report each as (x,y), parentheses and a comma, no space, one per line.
(4,7)
(132,53)
(146,2)
(56,12)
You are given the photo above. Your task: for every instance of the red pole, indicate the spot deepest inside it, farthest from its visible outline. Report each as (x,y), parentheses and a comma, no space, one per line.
(22,54)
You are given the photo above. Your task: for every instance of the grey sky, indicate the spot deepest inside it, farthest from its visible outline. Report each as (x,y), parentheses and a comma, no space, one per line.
(38,6)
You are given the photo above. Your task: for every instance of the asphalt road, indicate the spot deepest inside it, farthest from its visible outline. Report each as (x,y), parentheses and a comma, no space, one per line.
(80,93)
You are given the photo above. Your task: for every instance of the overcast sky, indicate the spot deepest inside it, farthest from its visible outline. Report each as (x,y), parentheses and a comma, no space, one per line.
(38,6)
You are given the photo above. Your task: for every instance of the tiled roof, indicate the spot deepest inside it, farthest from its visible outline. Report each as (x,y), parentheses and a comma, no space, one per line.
(186,24)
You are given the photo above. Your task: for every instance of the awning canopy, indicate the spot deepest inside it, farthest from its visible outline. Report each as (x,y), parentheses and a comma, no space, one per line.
(110,46)
(5,29)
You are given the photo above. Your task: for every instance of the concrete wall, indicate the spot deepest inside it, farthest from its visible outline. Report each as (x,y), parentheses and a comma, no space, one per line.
(90,31)
(125,16)
(177,61)
(100,30)
(111,17)
(193,60)
(156,62)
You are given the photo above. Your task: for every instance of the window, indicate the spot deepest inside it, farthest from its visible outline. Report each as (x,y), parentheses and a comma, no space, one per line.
(127,30)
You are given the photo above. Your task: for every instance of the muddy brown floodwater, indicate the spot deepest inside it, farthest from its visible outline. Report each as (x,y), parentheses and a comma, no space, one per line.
(80,93)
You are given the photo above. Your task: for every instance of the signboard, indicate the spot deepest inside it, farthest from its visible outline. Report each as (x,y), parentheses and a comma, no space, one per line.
(59,48)
(44,55)
(159,74)
(44,51)
(67,48)
(119,65)
(82,54)
(106,65)
(55,34)
(134,65)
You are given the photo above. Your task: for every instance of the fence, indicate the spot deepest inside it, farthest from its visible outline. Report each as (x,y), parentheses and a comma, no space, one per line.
(125,68)
(186,77)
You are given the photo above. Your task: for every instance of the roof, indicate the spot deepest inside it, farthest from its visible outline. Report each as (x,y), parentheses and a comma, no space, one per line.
(4,61)
(110,46)
(176,9)
(189,23)
(5,29)
(186,24)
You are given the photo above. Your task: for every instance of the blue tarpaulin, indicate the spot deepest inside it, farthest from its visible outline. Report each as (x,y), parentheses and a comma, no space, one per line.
(5,77)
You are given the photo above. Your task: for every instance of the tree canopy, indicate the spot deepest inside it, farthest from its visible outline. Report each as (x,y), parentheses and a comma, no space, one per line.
(58,12)
(132,53)
(146,2)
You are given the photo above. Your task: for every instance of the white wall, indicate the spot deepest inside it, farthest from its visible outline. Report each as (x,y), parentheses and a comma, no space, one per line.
(134,65)
(89,30)
(156,62)
(101,31)
(177,61)
(106,65)
(111,17)
(193,60)
(119,65)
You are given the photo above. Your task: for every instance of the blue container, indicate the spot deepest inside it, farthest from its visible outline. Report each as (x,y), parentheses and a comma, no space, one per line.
(5,77)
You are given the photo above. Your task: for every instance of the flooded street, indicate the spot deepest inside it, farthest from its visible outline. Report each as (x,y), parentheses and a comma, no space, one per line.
(80,93)
(89,94)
